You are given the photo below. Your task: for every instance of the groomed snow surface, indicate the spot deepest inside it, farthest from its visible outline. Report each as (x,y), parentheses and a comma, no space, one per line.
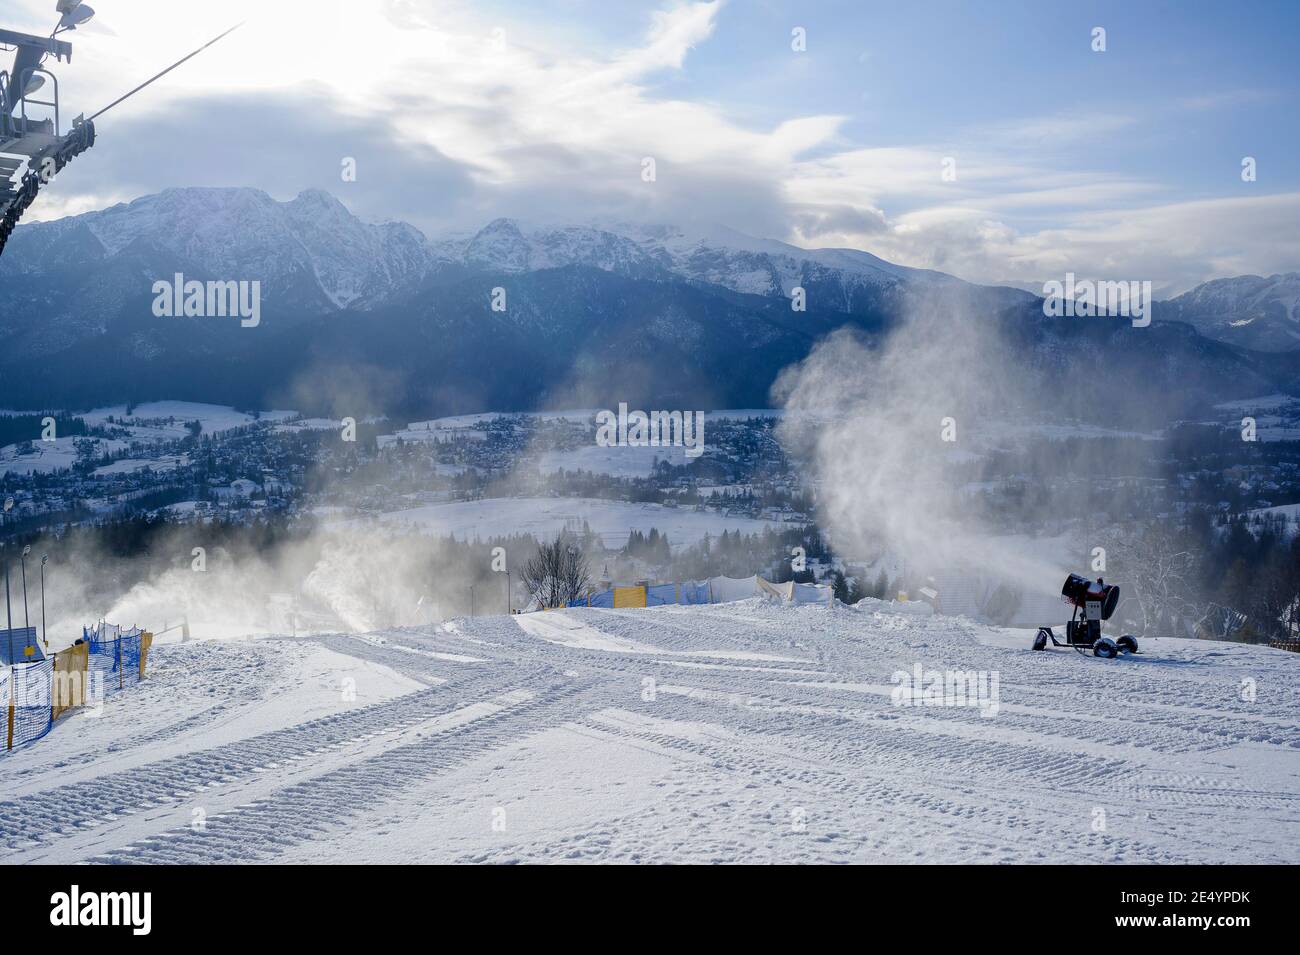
(746,732)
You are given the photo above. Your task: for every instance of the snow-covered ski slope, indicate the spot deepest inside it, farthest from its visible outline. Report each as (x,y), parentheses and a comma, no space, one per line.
(746,732)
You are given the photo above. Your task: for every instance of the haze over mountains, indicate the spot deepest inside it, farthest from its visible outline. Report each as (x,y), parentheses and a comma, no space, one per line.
(361,318)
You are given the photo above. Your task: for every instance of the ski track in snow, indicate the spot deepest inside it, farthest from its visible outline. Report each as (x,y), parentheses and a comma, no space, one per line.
(746,732)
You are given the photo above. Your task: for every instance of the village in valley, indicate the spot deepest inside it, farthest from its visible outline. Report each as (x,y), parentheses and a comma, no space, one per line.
(643,513)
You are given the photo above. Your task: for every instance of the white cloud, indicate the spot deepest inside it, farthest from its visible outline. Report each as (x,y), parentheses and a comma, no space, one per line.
(1226,98)
(543,126)
(1175,245)
(673,33)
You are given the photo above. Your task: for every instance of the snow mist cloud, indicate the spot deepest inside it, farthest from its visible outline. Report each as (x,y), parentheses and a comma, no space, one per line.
(353,577)
(884,428)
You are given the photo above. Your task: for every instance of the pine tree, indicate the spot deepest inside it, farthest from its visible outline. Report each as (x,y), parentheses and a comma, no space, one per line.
(856,592)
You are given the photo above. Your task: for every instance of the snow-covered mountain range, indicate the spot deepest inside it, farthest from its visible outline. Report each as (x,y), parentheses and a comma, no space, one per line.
(663,313)
(1249,310)
(238,234)
(715,256)
(244,233)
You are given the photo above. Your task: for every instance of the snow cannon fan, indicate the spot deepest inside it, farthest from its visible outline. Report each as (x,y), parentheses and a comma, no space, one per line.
(1096,601)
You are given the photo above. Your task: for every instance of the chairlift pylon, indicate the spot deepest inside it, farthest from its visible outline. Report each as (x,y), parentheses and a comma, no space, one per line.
(34,150)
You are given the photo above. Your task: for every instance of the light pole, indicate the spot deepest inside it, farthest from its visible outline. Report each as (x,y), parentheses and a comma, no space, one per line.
(45,634)
(9,615)
(22,560)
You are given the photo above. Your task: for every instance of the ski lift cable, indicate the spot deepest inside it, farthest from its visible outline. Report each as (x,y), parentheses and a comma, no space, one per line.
(165,72)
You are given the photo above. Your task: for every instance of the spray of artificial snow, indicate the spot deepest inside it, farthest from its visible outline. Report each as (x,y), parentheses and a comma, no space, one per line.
(871,423)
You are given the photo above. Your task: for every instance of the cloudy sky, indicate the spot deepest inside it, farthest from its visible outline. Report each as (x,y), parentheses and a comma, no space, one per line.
(1124,164)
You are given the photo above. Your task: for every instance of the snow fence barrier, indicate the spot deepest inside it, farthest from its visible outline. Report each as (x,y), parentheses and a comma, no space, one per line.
(715,590)
(117,657)
(25,690)
(35,695)
(69,679)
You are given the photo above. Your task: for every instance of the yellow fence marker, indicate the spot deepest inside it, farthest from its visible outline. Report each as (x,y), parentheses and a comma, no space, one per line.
(629,597)
(146,641)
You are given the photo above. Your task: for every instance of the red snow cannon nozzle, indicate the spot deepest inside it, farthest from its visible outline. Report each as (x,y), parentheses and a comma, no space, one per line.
(1079,591)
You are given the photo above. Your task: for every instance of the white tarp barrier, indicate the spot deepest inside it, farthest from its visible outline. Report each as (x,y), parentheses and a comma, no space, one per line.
(813,594)
(783,592)
(793,593)
(726,589)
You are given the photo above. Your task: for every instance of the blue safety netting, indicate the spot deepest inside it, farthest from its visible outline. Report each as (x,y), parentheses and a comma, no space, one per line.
(695,592)
(28,687)
(114,662)
(660,594)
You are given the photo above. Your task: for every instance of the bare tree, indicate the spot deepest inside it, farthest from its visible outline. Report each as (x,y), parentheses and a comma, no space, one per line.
(557,574)
(1160,567)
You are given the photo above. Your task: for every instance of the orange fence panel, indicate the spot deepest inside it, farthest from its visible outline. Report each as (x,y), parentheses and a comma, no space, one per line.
(68,681)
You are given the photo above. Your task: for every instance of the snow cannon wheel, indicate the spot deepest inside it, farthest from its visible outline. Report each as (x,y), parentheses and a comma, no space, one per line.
(1105,648)
(1127,644)
(1040,641)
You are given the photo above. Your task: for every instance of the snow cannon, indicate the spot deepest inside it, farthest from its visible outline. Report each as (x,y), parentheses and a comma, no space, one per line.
(1080,591)
(1094,601)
